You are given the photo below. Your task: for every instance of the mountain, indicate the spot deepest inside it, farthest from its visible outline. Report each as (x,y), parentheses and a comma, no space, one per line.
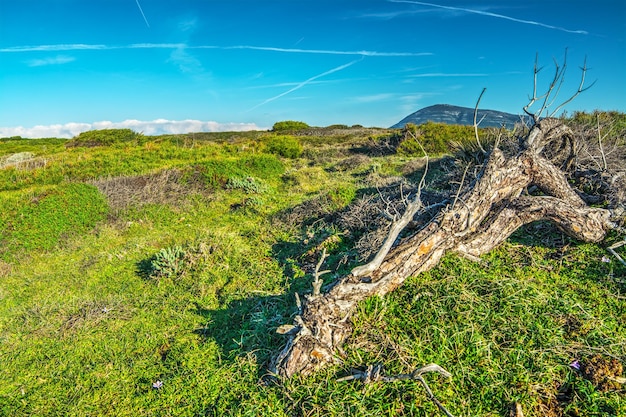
(446,113)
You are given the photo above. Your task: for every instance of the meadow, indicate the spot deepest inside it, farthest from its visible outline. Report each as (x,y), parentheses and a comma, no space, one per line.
(147,276)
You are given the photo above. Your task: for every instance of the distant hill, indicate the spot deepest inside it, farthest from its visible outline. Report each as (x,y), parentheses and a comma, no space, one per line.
(446,113)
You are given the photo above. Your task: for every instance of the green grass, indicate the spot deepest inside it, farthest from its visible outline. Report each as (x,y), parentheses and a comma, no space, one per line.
(87,327)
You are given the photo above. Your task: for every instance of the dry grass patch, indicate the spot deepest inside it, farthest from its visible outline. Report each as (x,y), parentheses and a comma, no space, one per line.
(164,187)
(22,160)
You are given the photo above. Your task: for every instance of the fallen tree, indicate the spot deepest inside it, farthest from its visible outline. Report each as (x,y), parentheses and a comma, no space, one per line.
(471,223)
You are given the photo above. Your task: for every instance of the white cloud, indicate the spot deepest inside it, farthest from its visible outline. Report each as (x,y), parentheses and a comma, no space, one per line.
(374,98)
(57,60)
(188,24)
(186,62)
(154,127)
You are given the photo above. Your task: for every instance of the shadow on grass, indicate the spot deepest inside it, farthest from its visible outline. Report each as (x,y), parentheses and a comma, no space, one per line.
(247,327)
(597,264)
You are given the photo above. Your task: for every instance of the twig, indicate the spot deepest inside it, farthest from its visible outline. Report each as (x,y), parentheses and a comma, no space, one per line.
(612,250)
(317,282)
(476,124)
(412,207)
(581,87)
(456,198)
(551,94)
(374,373)
(298,303)
(600,144)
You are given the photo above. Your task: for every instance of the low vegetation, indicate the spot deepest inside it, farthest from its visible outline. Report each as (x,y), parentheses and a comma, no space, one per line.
(148,275)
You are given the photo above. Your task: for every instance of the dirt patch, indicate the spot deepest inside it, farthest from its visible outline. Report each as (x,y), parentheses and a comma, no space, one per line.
(604,373)
(5,269)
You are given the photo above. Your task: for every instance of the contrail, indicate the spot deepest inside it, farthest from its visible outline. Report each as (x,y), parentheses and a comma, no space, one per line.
(441,74)
(76,47)
(141,10)
(303,83)
(499,16)
(323,51)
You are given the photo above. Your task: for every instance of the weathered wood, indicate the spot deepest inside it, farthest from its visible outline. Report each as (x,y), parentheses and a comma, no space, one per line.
(481,219)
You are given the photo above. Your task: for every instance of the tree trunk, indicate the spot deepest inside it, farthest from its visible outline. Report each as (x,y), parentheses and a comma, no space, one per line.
(478,221)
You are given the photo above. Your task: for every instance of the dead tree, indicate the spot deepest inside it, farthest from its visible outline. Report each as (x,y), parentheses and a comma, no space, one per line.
(477,221)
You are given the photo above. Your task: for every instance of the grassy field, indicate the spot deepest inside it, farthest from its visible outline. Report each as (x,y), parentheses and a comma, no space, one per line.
(146,276)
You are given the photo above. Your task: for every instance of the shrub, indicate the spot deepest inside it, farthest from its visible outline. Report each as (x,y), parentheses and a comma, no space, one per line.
(106,137)
(289,125)
(435,138)
(248,184)
(262,166)
(168,262)
(176,262)
(216,173)
(285,146)
(342,196)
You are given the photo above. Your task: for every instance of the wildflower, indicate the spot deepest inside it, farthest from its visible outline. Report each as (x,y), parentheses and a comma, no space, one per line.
(606,259)
(157,385)
(575,365)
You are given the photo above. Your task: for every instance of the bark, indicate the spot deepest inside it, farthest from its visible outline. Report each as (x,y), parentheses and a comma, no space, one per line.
(478,221)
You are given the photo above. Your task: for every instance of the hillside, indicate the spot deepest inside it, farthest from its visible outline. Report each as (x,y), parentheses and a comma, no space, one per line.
(446,113)
(148,276)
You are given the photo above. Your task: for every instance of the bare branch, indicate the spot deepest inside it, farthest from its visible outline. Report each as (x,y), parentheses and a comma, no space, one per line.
(534,98)
(412,207)
(317,282)
(398,226)
(374,373)
(559,77)
(604,166)
(581,88)
(476,124)
(552,92)
(456,198)
(614,253)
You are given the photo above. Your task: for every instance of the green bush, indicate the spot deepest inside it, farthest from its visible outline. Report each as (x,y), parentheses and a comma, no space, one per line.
(435,138)
(177,262)
(289,125)
(262,166)
(342,196)
(106,137)
(217,172)
(168,262)
(285,146)
(52,215)
(616,119)
(249,185)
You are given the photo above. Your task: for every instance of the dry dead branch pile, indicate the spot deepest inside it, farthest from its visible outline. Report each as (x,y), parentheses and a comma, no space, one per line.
(510,191)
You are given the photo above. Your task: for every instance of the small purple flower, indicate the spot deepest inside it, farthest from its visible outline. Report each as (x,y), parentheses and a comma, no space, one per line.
(157,385)
(606,259)
(575,365)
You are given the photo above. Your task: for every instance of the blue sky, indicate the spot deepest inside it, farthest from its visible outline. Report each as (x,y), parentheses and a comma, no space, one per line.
(190,65)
